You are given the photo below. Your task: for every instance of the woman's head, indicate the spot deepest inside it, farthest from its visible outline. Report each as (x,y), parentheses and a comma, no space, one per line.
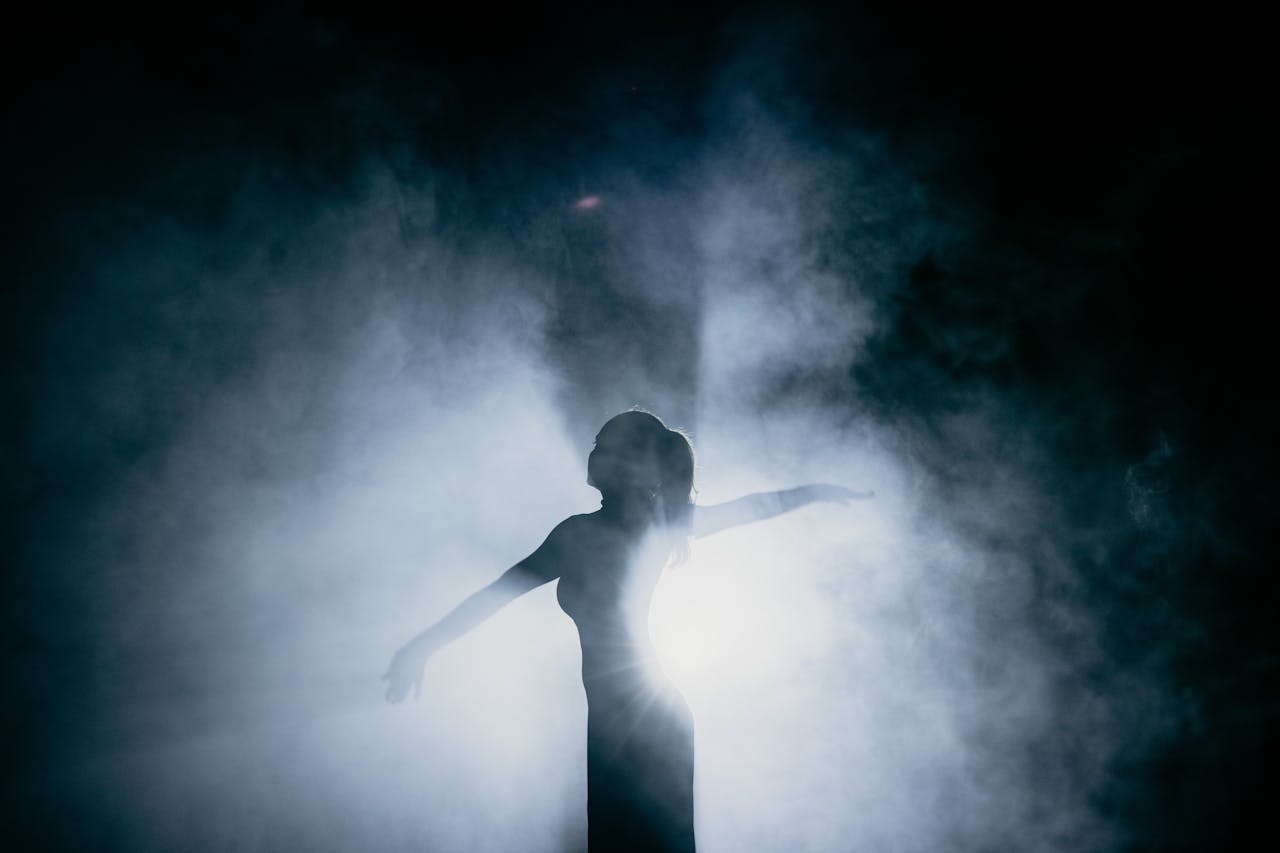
(638,459)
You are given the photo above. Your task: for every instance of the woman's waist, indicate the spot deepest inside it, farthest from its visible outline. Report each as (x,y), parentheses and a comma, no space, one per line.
(620,663)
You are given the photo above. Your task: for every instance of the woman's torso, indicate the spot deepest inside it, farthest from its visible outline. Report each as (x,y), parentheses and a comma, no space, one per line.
(606,588)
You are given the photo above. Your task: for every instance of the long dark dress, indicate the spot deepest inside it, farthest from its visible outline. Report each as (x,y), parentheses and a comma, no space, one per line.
(639,728)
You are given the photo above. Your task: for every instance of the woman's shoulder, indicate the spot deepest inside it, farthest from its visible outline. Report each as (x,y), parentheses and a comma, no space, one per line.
(581,520)
(562,548)
(573,527)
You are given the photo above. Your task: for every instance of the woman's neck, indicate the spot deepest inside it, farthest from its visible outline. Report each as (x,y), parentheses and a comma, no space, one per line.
(628,508)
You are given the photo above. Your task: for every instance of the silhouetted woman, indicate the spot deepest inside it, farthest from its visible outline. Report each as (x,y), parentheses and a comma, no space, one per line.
(639,729)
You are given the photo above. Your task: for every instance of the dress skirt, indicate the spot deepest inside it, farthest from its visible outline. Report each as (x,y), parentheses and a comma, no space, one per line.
(639,767)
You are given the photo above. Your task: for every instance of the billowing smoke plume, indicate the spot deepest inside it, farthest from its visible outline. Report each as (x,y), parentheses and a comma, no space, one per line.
(314,389)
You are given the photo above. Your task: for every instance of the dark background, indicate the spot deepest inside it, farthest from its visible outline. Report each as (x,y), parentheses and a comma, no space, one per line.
(1114,165)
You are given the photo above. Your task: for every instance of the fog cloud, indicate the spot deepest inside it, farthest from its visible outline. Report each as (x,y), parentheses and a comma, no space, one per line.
(317,404)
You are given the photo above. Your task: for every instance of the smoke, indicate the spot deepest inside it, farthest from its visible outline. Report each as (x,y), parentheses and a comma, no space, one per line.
(309,394)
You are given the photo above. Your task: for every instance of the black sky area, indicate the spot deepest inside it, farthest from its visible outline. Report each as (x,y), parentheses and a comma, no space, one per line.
(1113,165)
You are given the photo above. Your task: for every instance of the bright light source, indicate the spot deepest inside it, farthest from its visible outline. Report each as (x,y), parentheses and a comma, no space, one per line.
(729,617)
(589,202)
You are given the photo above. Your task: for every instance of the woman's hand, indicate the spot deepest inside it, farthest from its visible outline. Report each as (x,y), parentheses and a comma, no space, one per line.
(405,670)
(829,493)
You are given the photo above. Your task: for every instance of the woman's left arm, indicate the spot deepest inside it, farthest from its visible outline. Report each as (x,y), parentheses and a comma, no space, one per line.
(757,507)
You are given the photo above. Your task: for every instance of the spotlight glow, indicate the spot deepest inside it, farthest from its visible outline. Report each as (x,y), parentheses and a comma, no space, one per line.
(728,617)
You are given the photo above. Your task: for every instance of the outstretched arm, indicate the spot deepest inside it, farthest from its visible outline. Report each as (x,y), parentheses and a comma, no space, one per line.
(407,665)
(543,565)
(757,507)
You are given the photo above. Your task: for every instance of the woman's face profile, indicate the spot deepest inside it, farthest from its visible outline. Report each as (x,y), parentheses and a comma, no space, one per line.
(618,460)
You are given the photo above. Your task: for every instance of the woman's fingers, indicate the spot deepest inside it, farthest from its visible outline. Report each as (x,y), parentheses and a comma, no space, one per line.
(395,680)
(401,677)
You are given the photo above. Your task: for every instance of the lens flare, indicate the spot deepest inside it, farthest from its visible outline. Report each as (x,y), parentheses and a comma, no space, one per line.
(728,617)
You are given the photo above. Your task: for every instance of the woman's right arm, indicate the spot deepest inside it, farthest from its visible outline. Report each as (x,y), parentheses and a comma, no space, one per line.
(407,665)
(543,565)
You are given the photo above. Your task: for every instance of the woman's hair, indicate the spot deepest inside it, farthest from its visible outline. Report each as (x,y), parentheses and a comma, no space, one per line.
(675,490)
(671,455)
